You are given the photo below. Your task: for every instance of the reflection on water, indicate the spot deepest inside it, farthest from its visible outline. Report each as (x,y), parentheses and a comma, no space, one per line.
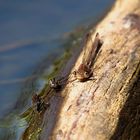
(29,42)
(17,66)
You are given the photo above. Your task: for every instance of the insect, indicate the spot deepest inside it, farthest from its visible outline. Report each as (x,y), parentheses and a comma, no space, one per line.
(84,71)
(57,83)
(38,103)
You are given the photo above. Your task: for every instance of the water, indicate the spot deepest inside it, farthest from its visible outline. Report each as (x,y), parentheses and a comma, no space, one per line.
(31,33)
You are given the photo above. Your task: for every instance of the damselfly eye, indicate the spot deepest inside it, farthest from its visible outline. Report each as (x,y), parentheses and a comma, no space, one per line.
(86,74)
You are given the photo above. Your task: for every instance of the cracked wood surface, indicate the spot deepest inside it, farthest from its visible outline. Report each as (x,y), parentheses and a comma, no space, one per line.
(91,110)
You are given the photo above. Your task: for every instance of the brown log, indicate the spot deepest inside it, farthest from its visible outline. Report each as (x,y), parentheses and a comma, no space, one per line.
(107,107)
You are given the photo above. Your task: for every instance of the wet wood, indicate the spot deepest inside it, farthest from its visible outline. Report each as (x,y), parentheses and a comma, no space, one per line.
(108,106)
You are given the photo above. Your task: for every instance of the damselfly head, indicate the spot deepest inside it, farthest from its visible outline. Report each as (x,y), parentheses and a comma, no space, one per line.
(35,98)
(54,84)
(83,73)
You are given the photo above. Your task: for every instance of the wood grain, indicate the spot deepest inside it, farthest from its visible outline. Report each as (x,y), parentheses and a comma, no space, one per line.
(92,110)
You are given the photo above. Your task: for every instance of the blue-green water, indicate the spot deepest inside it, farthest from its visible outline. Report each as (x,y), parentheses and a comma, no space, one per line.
(30,33)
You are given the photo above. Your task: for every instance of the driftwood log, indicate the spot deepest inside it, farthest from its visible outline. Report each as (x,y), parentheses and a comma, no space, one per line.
(107,107)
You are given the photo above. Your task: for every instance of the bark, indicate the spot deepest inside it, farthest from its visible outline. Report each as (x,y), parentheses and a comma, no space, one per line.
(107,107)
